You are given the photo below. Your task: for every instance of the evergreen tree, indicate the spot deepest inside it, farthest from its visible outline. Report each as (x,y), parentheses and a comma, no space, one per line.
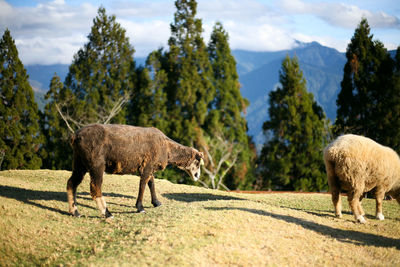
(148,103)
(19,127)
(56,152)
(101,72)
(389,107)
(189,88)
(228,106)
(291,158)
(366,88)
(98,84)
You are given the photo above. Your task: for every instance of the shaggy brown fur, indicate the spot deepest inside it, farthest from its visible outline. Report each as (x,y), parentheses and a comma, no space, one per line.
(358,164)
(124,149)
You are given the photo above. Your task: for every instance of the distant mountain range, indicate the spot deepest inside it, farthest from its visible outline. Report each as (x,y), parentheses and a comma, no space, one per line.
(258,74)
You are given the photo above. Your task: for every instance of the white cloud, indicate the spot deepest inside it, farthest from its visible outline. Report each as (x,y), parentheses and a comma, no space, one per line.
(49,50)
(135,10)
(52,32)
(258,37)
(47,33)
(338,44)
(146,36)
(251,24)
(339,14)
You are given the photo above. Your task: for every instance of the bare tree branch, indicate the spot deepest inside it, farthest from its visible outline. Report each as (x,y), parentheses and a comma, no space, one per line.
(203,183)
(104,115)
(222,155)
(117,108)
(62,116)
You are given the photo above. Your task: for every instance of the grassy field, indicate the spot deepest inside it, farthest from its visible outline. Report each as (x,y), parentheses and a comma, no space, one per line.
(193,227)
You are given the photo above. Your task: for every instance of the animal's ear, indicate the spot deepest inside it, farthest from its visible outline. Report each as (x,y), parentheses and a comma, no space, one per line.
(199,155)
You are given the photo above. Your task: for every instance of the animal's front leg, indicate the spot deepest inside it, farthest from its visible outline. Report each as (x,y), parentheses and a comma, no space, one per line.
(154,199)
(379,195)
(95,191)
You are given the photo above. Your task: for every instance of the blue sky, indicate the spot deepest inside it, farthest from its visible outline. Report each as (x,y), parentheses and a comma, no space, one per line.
(49,32)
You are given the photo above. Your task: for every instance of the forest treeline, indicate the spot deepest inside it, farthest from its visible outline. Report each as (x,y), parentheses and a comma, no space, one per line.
(191,91)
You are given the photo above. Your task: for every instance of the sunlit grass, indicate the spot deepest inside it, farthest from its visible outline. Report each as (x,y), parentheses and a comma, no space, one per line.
(193,227)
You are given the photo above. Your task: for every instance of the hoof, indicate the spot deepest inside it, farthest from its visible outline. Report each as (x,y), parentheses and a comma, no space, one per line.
(361,219)
(140,208)
(156,204)
(380,216)
(76,214)
(338,215)
(108,215)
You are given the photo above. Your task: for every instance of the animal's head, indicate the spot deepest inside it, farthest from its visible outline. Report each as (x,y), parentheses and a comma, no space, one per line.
(193,168)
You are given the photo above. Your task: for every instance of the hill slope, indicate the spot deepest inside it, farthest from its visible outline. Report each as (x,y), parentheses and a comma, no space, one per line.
(194,226)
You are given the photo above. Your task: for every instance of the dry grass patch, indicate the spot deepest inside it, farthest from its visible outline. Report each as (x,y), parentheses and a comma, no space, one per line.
(194,226)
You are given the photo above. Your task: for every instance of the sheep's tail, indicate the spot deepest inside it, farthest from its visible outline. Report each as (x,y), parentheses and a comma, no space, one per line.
(333,179)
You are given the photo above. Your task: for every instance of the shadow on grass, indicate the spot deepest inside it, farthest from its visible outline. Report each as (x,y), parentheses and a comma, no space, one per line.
(28,196)
(347,236)
(105,194)
(111,195)
(319,213)
(197,197)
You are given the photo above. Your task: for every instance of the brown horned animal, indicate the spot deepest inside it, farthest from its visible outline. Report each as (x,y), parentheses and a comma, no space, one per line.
(124,149)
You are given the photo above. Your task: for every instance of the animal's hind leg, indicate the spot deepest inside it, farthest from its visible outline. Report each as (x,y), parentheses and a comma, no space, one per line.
(145,176)
(96,180)
(72,184)
(154,199)
(142,186)
(360,209)
(337,202)
(334,188)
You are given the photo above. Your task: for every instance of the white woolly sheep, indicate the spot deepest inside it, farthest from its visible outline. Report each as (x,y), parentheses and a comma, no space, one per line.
(358,164)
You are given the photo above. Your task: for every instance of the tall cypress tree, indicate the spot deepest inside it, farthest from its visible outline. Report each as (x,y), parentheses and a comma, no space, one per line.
(148,103)
(19,127)
(388,118)
(100,80)
(56,151)
(291,158)
(366,87)
(101,72)
(228,106)
(189,89)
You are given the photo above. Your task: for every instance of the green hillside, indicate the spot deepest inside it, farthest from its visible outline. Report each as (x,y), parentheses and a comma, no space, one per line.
(193,227)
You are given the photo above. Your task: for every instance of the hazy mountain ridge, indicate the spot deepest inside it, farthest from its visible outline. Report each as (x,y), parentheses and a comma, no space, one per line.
(258,74)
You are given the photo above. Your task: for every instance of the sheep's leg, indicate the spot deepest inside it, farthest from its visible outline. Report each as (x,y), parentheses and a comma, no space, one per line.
(96,181)
(76,178)
(154,199)
(354,201)
(360,209)
(334,187)
(337,202)
(379,195)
